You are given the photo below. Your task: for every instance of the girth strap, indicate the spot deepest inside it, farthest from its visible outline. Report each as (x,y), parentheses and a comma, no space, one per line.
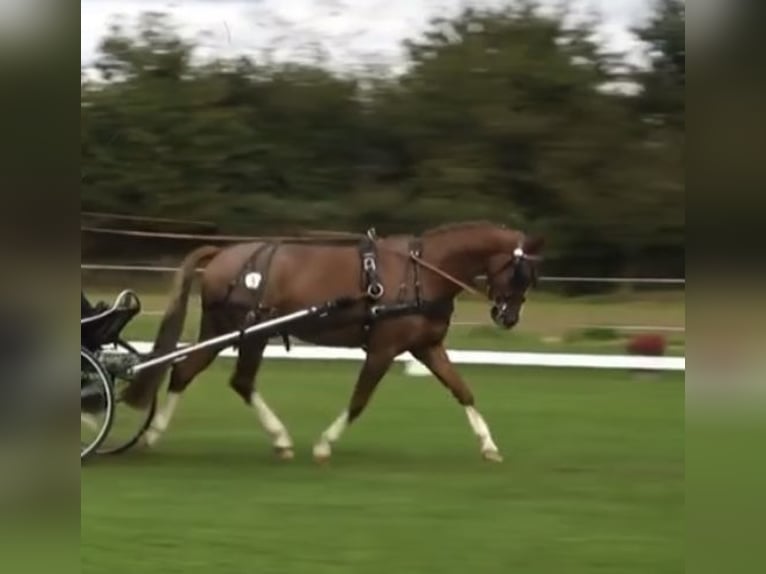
(438,309)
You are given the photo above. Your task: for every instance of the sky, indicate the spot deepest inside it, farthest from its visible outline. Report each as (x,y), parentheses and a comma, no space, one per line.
(350,31)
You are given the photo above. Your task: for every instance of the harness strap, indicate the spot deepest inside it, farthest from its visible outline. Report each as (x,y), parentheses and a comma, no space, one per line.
(370,280)
(416,252)
(254,277)
(371,283)
(437,309)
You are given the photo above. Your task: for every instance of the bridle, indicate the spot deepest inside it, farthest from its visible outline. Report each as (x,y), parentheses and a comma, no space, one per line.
(515,261)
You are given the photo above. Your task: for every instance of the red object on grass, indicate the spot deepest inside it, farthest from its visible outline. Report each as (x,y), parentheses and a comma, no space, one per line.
(649,344)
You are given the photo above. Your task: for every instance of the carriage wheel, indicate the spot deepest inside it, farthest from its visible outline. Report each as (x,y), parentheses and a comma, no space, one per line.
(129,423)
(96,404)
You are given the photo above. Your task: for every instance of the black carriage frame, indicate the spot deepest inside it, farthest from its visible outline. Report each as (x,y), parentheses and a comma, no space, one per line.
(105,328)
(99,332)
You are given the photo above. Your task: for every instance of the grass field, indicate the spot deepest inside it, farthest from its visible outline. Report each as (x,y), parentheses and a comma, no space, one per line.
(593,480)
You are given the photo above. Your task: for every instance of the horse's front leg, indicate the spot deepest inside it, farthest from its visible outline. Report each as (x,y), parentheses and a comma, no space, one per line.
(437,361)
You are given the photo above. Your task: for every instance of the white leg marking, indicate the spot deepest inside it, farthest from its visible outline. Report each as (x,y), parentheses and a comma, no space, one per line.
(481,430)
(323,448)
(162,419)
(271,423)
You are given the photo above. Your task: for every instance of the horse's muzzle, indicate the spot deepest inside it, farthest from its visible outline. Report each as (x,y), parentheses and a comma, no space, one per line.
(504,315)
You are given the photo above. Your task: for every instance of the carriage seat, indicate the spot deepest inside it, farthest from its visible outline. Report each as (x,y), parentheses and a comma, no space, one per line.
(104,327)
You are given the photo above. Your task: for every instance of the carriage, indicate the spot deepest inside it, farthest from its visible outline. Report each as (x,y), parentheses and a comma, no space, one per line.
(105,360)
(108,363)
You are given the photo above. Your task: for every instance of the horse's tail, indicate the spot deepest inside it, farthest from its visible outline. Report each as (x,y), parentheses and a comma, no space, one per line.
(144,387)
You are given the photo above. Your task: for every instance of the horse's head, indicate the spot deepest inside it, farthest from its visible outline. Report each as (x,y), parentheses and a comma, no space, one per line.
(509,277)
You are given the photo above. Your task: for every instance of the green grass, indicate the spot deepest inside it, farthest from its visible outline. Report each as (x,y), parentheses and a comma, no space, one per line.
(592,482)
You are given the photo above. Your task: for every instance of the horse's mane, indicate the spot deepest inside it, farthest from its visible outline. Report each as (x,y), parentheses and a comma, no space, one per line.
(459,226)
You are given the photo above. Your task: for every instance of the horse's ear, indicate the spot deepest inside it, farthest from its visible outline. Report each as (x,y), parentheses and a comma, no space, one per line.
(534,245)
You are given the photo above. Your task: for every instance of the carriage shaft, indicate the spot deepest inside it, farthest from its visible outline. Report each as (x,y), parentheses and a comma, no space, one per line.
(229,337)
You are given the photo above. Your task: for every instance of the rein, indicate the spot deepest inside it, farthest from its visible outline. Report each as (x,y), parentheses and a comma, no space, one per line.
(518,255)
(444,274)
(423,263)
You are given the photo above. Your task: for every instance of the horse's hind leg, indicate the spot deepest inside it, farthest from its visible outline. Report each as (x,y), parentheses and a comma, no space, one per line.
(375,366)
(243,383)
(181,376)
(436,359)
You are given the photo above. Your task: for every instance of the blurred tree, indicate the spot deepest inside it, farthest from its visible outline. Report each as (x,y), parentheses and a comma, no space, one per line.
(664,82)
(661,110)
(506,113)
(501,114)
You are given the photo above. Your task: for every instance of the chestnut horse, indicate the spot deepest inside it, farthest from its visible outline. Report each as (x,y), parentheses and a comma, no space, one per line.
(404,287)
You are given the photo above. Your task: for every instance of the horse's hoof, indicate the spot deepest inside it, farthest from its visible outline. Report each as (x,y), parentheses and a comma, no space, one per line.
(322,454)
(148,440)
(284,453)
(492,456)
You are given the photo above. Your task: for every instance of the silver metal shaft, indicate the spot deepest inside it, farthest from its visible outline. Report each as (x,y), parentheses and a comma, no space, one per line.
(215,341)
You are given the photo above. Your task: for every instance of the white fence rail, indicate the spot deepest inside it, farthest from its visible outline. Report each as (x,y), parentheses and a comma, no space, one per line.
(466,357)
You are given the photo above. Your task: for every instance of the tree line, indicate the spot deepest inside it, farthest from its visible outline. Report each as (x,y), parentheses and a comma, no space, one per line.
(505,114)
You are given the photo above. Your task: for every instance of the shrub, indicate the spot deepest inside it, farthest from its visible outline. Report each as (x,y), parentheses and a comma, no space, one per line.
(651,344)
